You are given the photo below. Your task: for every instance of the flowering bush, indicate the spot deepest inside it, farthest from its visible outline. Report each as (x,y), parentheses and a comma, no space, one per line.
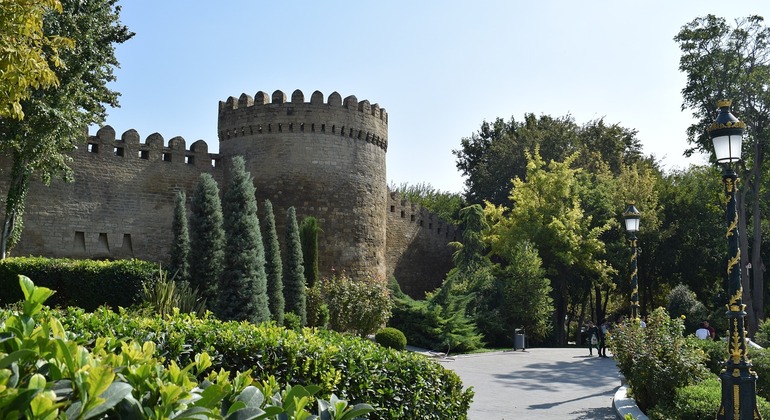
(657,359)
(358,306)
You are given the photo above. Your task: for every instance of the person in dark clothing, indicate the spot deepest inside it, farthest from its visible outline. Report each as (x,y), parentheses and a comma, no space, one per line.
(603,328)
(592,338)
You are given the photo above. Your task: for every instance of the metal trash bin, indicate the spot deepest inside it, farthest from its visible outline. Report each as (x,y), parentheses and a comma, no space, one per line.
(518,339)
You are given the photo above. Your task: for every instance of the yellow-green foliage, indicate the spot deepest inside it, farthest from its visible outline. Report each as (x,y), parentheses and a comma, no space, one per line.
(399,384)
(46,375)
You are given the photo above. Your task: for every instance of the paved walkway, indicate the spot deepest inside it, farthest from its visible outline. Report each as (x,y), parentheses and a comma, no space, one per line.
(539,383)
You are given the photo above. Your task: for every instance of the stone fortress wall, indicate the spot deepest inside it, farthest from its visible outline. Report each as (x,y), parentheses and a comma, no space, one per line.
(325,158)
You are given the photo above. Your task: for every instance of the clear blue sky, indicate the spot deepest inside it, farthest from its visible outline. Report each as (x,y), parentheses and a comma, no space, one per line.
(440,68)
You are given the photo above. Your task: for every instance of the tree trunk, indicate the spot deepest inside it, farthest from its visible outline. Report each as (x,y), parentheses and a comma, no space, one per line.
(598,300)
(560,304)
(580,321)
(14,205)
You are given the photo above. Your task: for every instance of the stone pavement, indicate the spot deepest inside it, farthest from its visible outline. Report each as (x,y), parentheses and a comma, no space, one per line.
(539,383)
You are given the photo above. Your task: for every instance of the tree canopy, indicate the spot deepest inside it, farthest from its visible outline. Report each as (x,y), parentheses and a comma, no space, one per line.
(55,119)
(27,53)
(496,154)
(724,61)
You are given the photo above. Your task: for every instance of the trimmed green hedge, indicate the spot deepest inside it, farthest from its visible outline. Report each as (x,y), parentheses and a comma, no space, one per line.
(699,401)
(716,351)
(87,284)
(399,384)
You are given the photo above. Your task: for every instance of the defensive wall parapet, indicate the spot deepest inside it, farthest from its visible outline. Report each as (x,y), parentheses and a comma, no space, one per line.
(418,251)
(121,202)
(324,157)
(128,146)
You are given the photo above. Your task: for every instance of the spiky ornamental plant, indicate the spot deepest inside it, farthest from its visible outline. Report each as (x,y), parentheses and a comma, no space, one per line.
(308,235)
(243,287)
(273,267)
(207,239)
(293,274)
(180,248)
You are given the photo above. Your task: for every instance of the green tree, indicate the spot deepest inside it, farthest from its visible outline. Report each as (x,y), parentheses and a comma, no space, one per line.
(547,212)
(55,118)
(207,239)
(692,230)
(732,62)
(496,154)
(27,53)
(180,247)
(273,266)
(308,236)
(243,285)
(294,289)
(518,295)
(683,302)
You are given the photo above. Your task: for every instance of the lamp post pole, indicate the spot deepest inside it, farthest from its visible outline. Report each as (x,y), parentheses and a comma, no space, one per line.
(631,217)
(739,395)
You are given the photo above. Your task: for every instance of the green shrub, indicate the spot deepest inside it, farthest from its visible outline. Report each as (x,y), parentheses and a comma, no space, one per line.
(399,384)
(292,321)
(45,376)
(391,338)
(166,295)
(644,357)
(716,354)
(317,309)
(359,306)
(762,336)
(84,283)
(698,401)
(683,301)
(760,358)
(425,325)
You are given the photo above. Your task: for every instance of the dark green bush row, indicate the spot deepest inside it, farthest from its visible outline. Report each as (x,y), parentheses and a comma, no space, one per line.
(399,384)
(716,352)
(697,402)
(84,283)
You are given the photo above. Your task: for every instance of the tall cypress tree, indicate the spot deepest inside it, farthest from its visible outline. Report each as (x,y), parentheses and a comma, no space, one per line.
(293,274)
(308,235)
(273,266)
(180,248)
(207,239)
(243,288)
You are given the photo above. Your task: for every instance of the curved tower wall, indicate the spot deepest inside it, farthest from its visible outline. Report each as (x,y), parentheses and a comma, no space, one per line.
(324,157)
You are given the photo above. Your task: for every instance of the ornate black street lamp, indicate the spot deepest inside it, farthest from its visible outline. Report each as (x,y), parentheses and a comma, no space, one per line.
(739,394)
(631,217)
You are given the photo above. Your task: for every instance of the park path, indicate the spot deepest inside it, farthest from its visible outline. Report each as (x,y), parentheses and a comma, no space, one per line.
(539,383)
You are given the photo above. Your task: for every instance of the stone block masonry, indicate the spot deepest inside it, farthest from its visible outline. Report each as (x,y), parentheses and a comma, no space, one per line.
(324,157)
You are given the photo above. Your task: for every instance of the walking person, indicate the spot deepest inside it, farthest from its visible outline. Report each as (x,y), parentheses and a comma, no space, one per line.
(592,338)
(603,329)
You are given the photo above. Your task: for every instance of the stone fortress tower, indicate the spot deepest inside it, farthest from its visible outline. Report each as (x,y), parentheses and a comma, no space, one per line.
(324,157)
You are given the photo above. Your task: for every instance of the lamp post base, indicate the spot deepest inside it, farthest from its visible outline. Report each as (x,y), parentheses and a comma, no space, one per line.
(739,394)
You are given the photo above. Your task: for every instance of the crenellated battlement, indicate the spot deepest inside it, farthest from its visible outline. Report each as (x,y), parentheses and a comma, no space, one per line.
(105,143)
(422,218)
(274,115)
(326,158)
